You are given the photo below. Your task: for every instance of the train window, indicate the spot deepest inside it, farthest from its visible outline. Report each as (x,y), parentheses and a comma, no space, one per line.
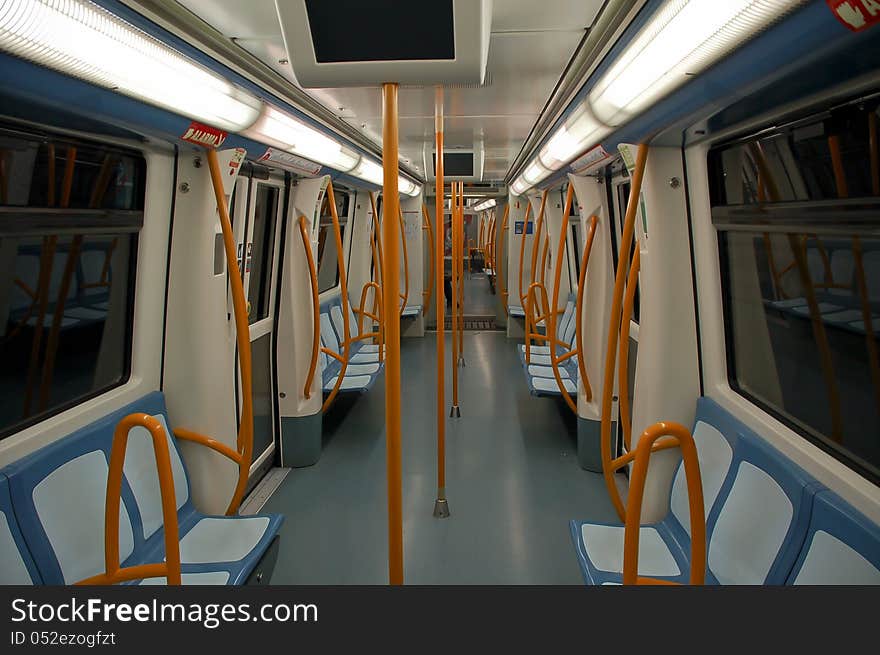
(328,263)
(797,212)
(263,250)
(69,217)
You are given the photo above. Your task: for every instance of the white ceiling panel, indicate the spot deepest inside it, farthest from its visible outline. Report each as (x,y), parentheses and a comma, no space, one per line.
(544,15)
(531,44)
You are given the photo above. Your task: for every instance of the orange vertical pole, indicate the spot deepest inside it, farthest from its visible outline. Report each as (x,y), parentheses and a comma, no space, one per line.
(461,273)
(441,505)
(498,271)
(391,292)
(455,411)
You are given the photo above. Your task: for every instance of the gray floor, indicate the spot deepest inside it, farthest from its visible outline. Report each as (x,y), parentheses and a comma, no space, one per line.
(478,298)
(513,483)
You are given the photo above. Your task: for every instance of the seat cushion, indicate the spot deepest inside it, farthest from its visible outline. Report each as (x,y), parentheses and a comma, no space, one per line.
(600,553)
(549,386)
(222,539)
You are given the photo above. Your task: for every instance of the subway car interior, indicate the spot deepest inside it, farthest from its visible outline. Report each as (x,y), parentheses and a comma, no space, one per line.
(462,292)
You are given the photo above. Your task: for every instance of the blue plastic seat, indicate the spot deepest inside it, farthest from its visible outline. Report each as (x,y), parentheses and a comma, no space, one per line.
(16,564)
(757,506)
(361,373)
(842,546)
(59,494)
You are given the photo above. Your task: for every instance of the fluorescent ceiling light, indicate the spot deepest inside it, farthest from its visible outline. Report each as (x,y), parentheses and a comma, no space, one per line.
(577,134)
(83,40)
(286,132)
(519,186)
(535,172)
(368,170)
(682,39)
(486,204)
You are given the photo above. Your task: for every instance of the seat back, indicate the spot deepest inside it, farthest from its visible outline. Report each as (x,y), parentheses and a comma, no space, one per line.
(16,564)
(842,547)
(759,520)
(714,434)
(59,496)
(328,334)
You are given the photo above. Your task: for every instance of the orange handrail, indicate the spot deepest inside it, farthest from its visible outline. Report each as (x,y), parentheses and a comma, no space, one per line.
(623,358)
(579,308)
(461,272)
(551,315)
(343,288)
(522,250)
(316,309)
(498,274)
(390,135)
(673,434)
(539,228)
(614,328)
(377,240)
(427,294)
(170,568)
(245,440)
(405,295)
(376,316)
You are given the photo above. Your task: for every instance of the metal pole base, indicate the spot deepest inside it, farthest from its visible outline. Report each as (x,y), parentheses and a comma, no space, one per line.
(454,412)
(441,509)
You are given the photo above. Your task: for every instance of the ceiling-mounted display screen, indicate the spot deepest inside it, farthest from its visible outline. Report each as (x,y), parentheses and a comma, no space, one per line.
(456,164)
(345,31)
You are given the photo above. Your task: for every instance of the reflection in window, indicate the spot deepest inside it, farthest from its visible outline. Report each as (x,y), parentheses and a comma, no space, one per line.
(66,277)
(801,277)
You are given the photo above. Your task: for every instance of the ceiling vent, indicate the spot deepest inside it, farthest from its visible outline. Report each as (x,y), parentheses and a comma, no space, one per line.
(359,43)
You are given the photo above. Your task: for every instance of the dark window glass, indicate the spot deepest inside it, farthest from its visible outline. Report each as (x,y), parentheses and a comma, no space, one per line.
(798,211)
(68,238)
(262,251)
(623,202)
(328,261)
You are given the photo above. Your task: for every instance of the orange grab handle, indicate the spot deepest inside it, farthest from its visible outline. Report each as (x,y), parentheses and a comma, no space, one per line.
(430,291)
(557,279)
(316,309)
(679,435)
(405,294)
(343,287)
(579,308)
(245,441)
(377,239)
(170,568)
(378,315)
(503,231)
(614,328)
(623,358)
(522,249)
(539,228)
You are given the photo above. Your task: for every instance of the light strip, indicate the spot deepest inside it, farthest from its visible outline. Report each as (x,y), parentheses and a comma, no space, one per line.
(682,39)
(486,204)
(286,132)
(83,40)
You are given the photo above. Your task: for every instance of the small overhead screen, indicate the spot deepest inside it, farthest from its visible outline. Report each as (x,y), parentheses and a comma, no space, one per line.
(456,164)
(354,31)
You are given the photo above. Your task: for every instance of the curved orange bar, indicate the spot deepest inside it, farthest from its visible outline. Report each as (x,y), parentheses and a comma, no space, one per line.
(245,442)
(579,311)
(614,328)
(623,358)
(680,435)
(551,315)
(430,291)
(498,267)
(522,250)
(539,229)
(316,310)
(343,288)
(213,444)
(170,568)
(405,295)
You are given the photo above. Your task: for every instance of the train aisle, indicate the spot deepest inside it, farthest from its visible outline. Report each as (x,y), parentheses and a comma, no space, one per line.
(513,483)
